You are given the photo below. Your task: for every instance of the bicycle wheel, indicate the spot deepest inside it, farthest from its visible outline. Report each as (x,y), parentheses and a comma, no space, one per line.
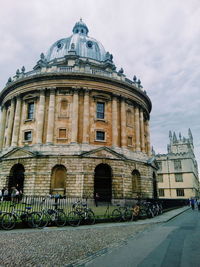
(116,215)
(60,218)
(35,219)
(73,218)
(128,215)
(90,219)
(8,221)
(44,219)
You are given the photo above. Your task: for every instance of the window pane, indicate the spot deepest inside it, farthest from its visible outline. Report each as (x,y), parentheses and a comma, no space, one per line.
(161,192)
(178,177)
(28,136)
(177,165)
(180,192)
(100,110)
(30,111)
(100,135)
(160,178)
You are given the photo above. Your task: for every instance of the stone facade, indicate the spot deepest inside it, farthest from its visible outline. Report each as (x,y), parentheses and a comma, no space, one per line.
(178,170)
(70,115)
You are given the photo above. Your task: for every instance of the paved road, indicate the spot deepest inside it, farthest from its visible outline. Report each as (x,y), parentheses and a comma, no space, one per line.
(172,244)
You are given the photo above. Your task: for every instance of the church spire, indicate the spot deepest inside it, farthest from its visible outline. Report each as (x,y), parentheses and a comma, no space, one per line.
(190,136)
(174,138)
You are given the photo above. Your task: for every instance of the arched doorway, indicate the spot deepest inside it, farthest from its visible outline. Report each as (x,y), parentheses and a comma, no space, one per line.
(155,189)
(136,188)
(16,177)
(58,180)
(103,182)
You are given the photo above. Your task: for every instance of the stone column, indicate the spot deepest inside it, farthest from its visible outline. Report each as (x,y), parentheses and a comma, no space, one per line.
(40,117)
(15,135)
(50,123)
(123,123)
(114,122)
(86,117)
(74,132)
(2,126)
(142,131)
(148,139)
(10,123)
(137,129)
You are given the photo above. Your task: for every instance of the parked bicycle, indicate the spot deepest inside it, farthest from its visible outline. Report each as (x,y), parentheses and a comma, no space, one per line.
(9,219)
(51,216)
(121,213)
(80,213)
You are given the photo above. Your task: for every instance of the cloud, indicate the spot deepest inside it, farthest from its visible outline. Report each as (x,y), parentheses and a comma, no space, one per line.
(157,40)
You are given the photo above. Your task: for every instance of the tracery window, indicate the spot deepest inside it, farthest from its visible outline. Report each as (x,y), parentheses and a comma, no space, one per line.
(177,164)
(160,178)
(178,177)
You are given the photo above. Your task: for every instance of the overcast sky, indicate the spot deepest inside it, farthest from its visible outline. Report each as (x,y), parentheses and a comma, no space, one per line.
(156,40)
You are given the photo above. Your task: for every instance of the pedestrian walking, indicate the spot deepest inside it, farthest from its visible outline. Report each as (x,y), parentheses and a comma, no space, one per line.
(198,204)
(192,202)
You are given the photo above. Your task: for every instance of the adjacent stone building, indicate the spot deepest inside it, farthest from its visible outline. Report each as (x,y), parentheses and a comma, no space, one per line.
(74,125)
(178,170)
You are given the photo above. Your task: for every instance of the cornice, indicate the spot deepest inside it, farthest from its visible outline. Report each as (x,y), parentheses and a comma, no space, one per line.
(81,76)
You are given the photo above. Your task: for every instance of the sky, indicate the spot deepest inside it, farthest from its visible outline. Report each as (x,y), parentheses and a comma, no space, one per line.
(156,40)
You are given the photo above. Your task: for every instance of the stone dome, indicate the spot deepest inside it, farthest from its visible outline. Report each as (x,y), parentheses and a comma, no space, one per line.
(79,43)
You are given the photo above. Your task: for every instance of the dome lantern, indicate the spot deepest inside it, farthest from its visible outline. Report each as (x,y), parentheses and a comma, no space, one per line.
(80,28)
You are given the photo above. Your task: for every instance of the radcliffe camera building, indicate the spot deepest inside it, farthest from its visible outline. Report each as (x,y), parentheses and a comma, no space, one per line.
(178,170)
(74,125)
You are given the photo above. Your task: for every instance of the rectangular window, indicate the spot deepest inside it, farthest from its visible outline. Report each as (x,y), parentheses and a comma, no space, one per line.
(160,178)
(100,136)
(100,110)
(178,177)
(161,192)
(130,141)
(180,192)
(177,165)
(62,133)
(28,136)
(30,111)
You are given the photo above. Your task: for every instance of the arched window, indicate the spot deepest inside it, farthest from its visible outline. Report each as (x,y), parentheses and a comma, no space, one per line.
(136,188)
(58,180)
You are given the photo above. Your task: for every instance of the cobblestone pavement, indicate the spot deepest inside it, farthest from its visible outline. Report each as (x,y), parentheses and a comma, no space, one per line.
(59,247)
(64,246)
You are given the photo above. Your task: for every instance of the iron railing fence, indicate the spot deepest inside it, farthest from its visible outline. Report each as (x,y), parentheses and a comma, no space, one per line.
(102,211)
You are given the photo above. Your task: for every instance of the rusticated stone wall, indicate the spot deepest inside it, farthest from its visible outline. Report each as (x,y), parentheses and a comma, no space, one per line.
(80,175)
